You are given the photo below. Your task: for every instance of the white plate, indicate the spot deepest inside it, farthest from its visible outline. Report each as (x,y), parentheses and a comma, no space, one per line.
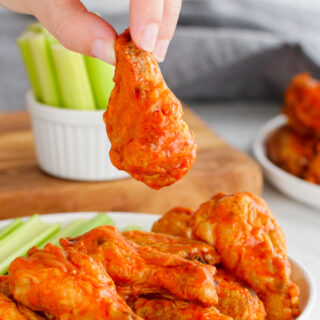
(296,188)
(300,275)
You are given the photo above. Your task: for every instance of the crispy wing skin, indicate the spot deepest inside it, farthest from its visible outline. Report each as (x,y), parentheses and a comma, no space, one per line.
(234,300)
(66,285)
(181,247)
(9,309)
(237,301)
(144,121)
(252,246)
(131,264)
(175,222)
(4,286)
(173,309)
(302,104)
(313,172)
(290,151)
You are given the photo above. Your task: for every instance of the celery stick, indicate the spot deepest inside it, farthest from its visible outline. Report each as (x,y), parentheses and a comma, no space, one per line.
(132,227)
(16,223)
(98,220)
(20,246)
(71,230)
(101,79)
(25,50)
(73,79)
(36,27)
(45,69)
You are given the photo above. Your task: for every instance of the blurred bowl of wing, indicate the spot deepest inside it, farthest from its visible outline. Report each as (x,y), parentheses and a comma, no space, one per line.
(294,187)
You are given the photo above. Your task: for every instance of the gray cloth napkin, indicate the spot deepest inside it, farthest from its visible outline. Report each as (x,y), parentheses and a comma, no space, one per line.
(222,49)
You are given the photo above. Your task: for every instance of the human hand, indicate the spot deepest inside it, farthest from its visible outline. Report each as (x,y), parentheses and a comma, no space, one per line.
(152,25)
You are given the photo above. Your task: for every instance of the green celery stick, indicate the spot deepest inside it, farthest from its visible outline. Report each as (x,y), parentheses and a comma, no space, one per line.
(44,68)
(71,230)
(20,247)
(36,27)
(25,50)
(99,220)
(73,79)
(16,223)
(132,227)
(101,79)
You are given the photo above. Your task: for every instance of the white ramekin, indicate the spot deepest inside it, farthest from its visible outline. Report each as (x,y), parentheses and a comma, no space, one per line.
(71,144)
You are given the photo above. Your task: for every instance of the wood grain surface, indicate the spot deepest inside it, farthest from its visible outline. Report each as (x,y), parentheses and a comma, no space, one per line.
(25,189)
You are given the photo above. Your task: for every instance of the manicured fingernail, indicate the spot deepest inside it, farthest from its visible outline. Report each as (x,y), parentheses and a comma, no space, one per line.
(104,50)
(161,50)
(149,37)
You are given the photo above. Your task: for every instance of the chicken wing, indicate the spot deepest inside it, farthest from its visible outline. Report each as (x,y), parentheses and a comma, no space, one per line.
(290,151)
(9,309)
(236,301)
(181,247)
(313,172)
(131,264)
(302,104)
(144,121)
(66,285)
(173,309)
(252,246)
(175,222)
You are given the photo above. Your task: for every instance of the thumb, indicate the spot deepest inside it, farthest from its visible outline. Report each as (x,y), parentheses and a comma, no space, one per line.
(76,28)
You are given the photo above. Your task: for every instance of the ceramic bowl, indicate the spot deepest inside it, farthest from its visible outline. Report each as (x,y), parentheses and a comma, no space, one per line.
(294,187)
(71,144)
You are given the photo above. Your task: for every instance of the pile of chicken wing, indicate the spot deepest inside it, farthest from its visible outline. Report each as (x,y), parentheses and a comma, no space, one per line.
(295,147)
(227,260)
(144,122)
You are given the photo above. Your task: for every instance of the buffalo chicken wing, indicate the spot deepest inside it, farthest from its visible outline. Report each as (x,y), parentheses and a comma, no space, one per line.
(148,136)
(130,264)
(252,246)
(173,309)
(66,285)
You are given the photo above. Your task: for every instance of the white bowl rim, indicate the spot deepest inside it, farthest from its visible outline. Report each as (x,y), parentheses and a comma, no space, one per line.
(260,154)
(46,111)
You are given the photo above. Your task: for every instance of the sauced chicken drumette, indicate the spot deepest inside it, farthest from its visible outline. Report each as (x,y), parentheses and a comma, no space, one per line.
(129,264)
(182,247)
(66,285)
(144,122)
(175,222)
(302,104)
(252,246)
(234,300)
(173,309)
(9,309)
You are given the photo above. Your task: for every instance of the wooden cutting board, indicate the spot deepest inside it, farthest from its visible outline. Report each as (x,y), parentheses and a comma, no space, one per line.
(25,190)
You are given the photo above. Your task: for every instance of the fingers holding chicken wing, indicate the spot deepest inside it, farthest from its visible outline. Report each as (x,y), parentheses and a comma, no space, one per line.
(130,264)
(66,285)
(144,121)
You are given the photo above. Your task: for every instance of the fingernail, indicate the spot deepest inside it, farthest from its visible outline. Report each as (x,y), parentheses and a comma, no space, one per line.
(161,50)
(149,37)
(104,50)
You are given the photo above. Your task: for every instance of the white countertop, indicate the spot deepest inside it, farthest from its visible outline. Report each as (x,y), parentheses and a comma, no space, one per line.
(238,123)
